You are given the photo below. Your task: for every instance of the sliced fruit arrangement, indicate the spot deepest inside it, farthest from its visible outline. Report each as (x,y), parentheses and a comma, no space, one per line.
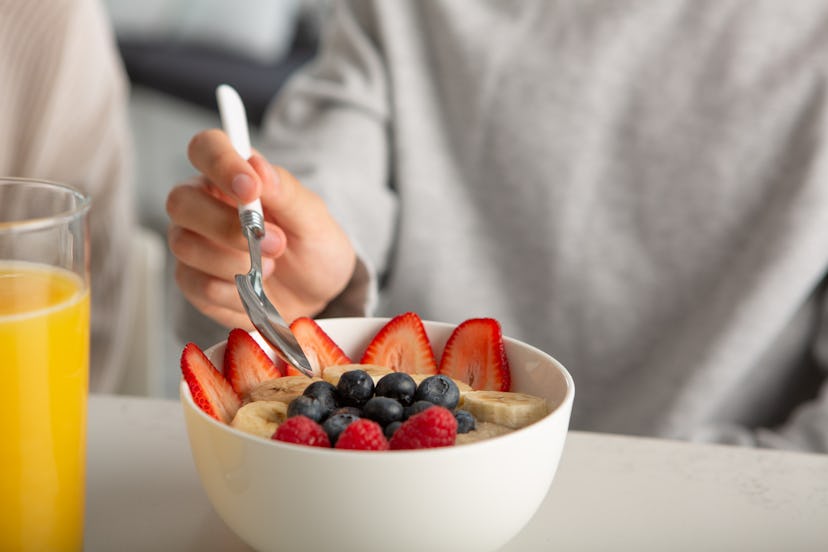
(514,410)
(475,354)
(403,346)
(245,363)
(210,389)
(397,381)
(318,347)
(260,418)
(283,389)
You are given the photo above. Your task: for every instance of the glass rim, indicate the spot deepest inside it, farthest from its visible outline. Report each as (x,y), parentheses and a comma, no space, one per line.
(81,207)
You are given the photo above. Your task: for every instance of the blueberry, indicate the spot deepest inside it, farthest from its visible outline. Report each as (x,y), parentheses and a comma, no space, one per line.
(391,428)
(355,388)
(465,421)
(352,410)
(416,408)
(440,390)
(383,410)
(335,424)
(397,385)
(306,406)
(325,393)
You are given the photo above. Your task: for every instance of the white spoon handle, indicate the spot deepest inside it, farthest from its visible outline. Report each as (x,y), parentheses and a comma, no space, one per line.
(234,123)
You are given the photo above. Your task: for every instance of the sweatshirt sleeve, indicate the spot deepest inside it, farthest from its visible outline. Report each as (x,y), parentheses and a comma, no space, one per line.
(806,428)
(330,127)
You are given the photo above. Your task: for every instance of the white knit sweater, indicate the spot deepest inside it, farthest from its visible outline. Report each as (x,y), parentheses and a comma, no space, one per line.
(638,188)
(63,116)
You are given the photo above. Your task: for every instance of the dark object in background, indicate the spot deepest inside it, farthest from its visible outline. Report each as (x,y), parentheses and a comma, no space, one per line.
(192,72)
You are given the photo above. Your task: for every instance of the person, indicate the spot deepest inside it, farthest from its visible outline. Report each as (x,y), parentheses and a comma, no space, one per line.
(63,117)
(637,188)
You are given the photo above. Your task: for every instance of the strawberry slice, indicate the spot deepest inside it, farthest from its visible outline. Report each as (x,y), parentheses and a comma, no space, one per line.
(319,348)
(475,354)
(283,367)
(402,345)
(245,362)
(210,389)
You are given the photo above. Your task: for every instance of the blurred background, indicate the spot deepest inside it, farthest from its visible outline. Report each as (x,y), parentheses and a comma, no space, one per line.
(175,53)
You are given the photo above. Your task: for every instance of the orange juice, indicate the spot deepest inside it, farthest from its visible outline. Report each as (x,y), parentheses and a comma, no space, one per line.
(44,360)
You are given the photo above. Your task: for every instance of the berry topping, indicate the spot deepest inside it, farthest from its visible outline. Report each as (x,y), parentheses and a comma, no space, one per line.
(383,410)
(354,388)
(245,363)
(318,347)
(391,428)
(336,424)
(325,393)
(363,434)
(352,410)
(397,385)
(415,408)
(433,427)
(440,390)
(397,398)
(465,421)
(301,430)
(210,390)
(309,407)
(402,345)
(475,354)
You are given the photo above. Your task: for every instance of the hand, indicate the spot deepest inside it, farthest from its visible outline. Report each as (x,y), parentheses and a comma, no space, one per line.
(307,259)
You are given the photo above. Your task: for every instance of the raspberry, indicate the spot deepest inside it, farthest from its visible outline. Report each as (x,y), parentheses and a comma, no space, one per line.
(433,427)
(363,434)
(301,430)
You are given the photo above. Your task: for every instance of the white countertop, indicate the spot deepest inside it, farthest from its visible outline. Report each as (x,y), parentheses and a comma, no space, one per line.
(610,493)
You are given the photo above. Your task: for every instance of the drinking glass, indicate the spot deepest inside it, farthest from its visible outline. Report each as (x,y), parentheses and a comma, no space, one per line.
(44,364)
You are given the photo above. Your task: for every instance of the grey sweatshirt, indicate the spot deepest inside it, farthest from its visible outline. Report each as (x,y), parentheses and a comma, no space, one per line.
(638,188)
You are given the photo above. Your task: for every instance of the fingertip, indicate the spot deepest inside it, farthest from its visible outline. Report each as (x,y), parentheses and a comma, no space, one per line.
(273,242)
(213,155)
(244,188)
(268,267)
(265,170)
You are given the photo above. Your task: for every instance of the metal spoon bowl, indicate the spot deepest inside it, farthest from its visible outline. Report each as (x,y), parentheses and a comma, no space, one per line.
(260,310)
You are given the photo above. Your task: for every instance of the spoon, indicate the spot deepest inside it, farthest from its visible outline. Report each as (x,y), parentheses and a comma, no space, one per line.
(267,320)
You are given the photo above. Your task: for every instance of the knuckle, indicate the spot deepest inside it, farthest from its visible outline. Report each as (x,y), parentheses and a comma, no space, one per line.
(180,276)
(213,290)
(175,201)
(201,141)
(180,244)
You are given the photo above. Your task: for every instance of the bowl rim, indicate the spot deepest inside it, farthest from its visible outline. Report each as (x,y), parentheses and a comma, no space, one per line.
(565,403)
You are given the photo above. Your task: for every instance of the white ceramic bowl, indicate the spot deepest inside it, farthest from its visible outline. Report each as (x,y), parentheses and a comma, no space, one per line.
(476,497)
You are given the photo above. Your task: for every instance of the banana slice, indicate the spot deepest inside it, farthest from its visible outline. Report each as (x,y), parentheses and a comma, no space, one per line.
(482,431)
(461,385)
(333,373)
(261,417)
(514,410)
(283,389)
